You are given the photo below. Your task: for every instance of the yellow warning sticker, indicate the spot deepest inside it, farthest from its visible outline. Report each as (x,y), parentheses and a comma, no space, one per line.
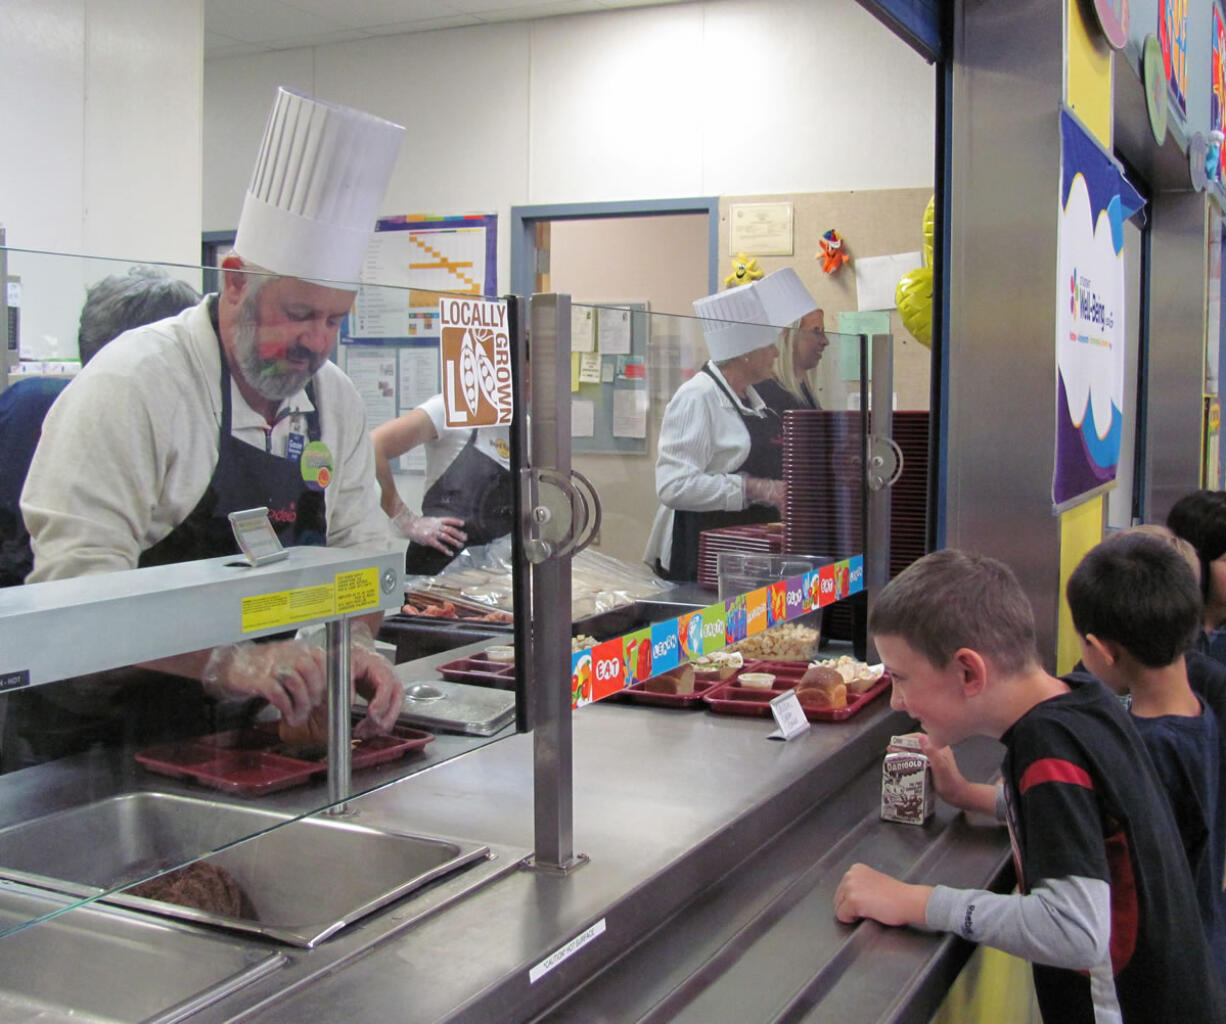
(285,607)
(357,590)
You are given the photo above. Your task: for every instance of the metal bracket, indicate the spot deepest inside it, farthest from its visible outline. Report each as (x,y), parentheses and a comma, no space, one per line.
(561,514)
(884,462)
(530,863)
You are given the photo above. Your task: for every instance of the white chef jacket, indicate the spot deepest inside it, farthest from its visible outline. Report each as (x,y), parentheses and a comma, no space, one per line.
(129,448)
(703,441)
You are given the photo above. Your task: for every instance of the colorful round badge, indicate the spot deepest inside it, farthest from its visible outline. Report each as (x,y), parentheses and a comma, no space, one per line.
(1113,20)
(316,465)
(1154,78)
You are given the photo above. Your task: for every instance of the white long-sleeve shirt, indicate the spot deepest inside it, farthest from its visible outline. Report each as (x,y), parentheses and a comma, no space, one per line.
(703,441)
(130,446)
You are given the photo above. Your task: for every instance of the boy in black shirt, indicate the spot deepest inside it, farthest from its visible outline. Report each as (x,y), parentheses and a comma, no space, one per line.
(1136,607)
(1105,895)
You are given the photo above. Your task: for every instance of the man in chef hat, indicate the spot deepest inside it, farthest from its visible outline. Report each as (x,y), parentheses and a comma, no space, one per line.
(233,405)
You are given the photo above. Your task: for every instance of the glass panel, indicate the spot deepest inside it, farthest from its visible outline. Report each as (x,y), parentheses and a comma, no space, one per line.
(117,777)
(732,503)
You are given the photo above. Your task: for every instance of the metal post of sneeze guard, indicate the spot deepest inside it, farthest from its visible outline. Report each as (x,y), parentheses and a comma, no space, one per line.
(339,727)
(882,464)
(553,769)
(255,536)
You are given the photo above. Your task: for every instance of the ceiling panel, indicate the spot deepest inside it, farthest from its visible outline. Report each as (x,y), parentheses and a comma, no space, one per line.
(234,27)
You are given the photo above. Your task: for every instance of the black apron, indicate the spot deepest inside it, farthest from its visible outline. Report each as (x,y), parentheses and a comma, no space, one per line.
(474,488)
(765,460)
(136,706)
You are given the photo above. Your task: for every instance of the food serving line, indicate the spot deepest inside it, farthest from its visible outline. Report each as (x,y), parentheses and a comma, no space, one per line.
(713,854)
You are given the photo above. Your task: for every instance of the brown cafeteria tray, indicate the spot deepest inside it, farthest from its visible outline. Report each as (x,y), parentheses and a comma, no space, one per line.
(636,694)
(254,762)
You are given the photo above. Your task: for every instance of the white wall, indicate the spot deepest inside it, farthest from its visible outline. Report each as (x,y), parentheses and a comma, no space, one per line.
(102,145)
(732,96)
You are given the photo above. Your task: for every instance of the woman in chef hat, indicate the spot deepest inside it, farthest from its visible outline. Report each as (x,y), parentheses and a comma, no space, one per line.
(788,303)
(720,457)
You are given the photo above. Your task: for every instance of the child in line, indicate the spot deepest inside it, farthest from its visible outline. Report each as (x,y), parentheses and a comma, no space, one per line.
(1136,608)
(1200,519)
(1105,894)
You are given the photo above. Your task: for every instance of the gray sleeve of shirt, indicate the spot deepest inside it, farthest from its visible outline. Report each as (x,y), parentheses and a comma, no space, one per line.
(1001,805)
(1065,922)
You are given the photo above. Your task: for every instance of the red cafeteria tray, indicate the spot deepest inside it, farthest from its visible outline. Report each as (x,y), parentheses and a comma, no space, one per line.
(730,699)
(636,694)
(479,670)
(252,762)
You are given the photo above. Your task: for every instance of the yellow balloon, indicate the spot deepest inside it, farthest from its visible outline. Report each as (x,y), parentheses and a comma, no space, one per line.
(913,296)
(930,218)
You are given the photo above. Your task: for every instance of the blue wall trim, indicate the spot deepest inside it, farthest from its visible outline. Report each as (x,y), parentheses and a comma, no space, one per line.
(918,22)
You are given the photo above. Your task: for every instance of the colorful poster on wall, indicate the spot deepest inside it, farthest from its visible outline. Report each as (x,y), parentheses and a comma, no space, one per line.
(1217,95)
(1173,36)
(419,256)
(1095,200)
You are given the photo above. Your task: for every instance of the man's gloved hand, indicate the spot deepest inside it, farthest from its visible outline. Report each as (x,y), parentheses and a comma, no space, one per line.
(290,674)
(445,534)
(371,675)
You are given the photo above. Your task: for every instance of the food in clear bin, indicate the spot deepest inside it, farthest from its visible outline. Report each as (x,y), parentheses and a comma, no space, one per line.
(581,642)
(791,641)
(756,680)
(822,688)
(679,681)
(858,676)
(718,666)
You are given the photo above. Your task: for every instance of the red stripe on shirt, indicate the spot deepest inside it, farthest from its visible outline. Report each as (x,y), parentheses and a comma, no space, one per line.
(1053,769)
(1125,906)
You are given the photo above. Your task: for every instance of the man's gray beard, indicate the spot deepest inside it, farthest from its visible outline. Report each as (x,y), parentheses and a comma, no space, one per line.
(258,373)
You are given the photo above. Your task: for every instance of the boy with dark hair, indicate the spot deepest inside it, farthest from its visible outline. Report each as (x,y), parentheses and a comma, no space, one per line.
(1105,894)
(1200,519)
(1136,608)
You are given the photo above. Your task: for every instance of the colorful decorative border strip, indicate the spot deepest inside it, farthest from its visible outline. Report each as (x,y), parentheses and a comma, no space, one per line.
(600,671)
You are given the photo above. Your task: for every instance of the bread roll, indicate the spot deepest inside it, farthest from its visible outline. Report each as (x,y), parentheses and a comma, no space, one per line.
(821,677)
(310,739)
(679,681)
(824,698)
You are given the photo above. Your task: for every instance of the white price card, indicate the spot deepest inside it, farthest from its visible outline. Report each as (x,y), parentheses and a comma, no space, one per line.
(789,716)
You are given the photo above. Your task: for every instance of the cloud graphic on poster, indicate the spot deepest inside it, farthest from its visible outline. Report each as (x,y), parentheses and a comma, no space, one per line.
(1090,267)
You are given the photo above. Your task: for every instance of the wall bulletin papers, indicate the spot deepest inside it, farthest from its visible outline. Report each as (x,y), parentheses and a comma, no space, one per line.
(1095,200)
(609,402)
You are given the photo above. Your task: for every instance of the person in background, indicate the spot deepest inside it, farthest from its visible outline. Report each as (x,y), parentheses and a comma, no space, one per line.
(1106,897)
(1200,519)
(231,405)
(719,460)
(800,350)
(1136,606)
(468,499)
(113,305)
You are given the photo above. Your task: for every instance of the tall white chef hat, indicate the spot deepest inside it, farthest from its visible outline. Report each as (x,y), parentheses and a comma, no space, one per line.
(315,192)
(784,298)
(734,322)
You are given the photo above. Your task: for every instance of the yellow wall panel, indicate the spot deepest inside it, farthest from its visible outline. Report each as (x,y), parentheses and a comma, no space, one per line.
(1080,529)
(1087,87)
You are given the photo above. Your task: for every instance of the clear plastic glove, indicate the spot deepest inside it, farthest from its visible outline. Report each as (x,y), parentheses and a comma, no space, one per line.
(760,491)
(446,534)
(370,674)
(290,674)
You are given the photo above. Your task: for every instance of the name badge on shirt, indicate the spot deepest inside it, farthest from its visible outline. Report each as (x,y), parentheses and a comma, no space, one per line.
(294,447)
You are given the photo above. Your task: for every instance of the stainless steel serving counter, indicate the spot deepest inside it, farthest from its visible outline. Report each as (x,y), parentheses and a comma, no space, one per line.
(714,853)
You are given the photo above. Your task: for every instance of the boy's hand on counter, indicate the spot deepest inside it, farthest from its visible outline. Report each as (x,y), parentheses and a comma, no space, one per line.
(864,892)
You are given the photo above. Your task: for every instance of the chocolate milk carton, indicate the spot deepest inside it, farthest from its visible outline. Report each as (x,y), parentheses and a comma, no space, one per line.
(906,782)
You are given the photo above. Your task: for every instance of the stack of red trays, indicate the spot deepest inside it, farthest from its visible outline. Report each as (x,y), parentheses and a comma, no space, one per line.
(764,537)
(822,467)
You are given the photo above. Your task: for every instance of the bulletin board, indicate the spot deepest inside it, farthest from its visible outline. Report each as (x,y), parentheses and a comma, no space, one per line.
(872,222)
(610,405)
(389,343)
